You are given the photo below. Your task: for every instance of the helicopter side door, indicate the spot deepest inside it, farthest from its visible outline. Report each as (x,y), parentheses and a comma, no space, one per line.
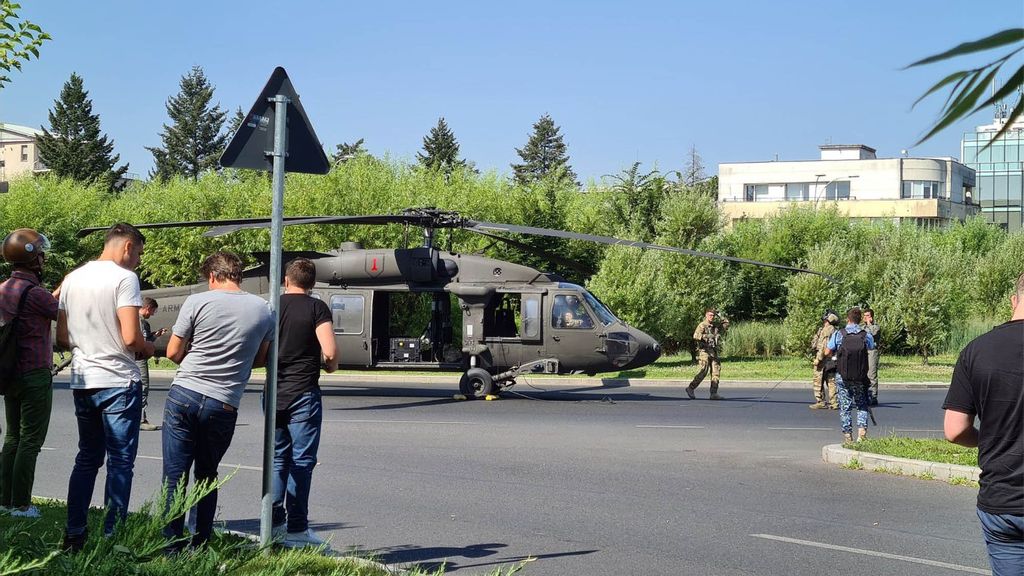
(350,314)
(513,328)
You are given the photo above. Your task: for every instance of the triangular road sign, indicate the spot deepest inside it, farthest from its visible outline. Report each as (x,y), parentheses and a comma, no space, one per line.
(253,143)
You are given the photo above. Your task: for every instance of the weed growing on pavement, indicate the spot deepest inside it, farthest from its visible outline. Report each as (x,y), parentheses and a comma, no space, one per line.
(962,481)
(854,464)
(894,470)
(925,476)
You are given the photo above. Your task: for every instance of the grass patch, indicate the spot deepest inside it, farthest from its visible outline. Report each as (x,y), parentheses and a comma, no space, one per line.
(892,369)
(930,449)
(961,481)
(854,464)
(31,546)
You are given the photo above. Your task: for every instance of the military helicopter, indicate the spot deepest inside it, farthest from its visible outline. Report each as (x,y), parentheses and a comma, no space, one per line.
(515,320)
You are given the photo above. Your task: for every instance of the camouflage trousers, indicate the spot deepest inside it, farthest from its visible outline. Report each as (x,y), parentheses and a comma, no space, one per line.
(872,374)
(707,363)
(852,397)
(825,388)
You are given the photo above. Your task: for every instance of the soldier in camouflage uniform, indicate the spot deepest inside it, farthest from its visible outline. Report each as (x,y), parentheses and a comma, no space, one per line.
(871,328)
(709,346)
(824,369)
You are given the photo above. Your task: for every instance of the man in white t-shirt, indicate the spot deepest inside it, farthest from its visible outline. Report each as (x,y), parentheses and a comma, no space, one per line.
(98,320)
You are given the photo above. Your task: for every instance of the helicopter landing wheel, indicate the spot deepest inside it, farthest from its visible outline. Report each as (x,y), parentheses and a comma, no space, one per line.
(477,383)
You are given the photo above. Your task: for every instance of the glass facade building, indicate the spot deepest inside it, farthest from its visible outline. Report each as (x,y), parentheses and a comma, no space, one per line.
(1000,173)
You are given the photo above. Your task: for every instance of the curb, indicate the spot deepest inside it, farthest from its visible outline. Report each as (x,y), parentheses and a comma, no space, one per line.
(836,454)
(570,381)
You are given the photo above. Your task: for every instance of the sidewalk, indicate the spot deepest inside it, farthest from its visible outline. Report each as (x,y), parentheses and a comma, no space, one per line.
(566,381)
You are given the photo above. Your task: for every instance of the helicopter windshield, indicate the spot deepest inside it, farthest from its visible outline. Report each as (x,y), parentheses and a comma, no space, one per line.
(603,313)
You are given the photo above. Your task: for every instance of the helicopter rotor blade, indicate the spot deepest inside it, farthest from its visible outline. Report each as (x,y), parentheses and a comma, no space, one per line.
(553,258)
(230,227)
(197,223)
(515,229)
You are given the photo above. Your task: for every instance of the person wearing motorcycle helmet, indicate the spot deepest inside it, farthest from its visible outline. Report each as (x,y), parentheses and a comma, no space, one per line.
(29,394)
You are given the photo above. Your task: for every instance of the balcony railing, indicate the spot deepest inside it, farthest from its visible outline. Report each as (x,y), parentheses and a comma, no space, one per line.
(761,199)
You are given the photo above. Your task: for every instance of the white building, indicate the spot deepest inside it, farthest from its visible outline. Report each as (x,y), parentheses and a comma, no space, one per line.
(19,154)
(932,191)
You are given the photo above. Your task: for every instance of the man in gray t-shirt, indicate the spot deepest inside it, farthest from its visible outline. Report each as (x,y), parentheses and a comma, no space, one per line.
(218,338)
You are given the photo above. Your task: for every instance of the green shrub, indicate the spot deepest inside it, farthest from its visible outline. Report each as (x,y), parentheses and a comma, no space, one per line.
(754,339)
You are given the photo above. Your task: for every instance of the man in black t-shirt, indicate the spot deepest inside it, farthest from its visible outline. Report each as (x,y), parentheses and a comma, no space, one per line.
(306,339)
(988,381)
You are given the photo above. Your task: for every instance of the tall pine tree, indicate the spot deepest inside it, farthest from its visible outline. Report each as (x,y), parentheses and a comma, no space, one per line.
(544,155)
(193,143)
(73,147)
(440,149)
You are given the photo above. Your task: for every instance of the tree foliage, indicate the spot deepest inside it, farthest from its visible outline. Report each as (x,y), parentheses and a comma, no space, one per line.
(20,40)
(544,157)
(440,149)
(346,151)
(72,147)
(967,87)
(922,283)
(193,143)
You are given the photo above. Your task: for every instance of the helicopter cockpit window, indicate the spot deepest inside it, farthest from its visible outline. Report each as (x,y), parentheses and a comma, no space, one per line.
(603,313)
(568,312)
(347,312)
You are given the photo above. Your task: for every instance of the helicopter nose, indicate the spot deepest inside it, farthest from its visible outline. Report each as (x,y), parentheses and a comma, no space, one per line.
(648,350)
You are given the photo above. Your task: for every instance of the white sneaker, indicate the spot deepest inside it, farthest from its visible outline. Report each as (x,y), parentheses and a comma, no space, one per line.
(30,512)
(303,539)
(279,533)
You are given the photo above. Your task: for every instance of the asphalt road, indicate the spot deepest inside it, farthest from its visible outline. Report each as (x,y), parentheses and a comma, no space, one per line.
(595,481)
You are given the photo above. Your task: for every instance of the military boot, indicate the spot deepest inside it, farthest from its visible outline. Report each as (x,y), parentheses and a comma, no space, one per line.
(817,406)
(689,392)
(862,433)
(714,392)
(847,437)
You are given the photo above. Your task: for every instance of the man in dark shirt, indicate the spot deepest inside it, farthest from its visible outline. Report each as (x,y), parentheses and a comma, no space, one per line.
(988,382)
(30,394)
(306,338)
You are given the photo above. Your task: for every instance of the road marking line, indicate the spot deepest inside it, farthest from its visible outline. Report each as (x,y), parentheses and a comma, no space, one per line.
(911,559)
(798,428)
(398,422)
(684,427)
(47,448)
(916,430)
(222,464)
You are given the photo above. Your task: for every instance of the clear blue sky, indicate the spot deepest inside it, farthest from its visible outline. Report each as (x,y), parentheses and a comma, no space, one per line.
(625,81)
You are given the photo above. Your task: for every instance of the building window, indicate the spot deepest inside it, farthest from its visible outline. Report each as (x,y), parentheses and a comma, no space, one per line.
(24,153)
(839,190)
(922,189)
(797,191)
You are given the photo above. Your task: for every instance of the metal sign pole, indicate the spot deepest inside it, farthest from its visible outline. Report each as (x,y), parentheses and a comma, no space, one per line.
(270,392)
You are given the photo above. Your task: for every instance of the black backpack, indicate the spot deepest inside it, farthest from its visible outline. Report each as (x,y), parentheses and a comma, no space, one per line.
(852,357)
(9,346)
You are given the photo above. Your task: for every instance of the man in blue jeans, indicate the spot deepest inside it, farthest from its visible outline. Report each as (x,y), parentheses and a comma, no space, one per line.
(988,382)
(98,320)
(218,338)
(306,338)
(852,373)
